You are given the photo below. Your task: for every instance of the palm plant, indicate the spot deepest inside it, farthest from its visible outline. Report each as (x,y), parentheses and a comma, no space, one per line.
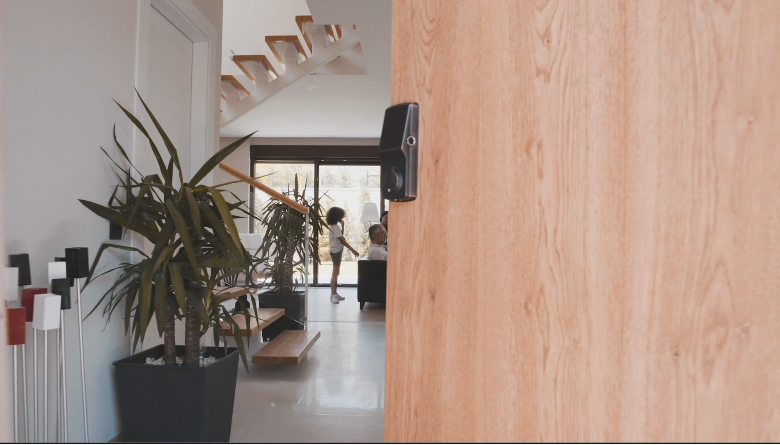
(196,244)
(285,231)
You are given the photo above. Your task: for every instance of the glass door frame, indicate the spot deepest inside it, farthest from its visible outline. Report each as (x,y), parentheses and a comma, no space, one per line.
(317,155)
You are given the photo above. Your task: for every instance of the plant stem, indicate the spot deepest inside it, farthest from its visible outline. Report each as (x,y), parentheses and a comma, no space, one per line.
(192,337)
(169,335)
(287,279)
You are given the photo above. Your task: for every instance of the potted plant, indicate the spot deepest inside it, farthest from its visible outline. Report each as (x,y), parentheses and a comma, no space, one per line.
(283,250)
(196,244)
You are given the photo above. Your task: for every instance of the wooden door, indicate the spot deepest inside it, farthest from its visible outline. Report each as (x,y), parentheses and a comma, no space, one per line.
(594,253)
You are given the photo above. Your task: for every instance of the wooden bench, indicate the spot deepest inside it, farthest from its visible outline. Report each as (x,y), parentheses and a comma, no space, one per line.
(289,347)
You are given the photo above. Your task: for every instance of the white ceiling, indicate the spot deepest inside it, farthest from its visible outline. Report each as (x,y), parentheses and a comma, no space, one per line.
(317,105)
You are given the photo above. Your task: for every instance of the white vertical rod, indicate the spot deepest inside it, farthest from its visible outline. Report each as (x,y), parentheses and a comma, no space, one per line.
(35,384)
(306,260)
(64,379)
(45,386)
(81,353)
(24,393)
(16,397)
(58,429)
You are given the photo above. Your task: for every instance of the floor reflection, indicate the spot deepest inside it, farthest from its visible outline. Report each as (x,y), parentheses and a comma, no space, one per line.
(335,395)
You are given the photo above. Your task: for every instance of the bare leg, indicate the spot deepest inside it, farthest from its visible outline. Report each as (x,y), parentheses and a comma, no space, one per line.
(334,280)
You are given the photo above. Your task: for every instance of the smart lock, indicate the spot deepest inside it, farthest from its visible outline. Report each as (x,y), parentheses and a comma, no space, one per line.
(398,152)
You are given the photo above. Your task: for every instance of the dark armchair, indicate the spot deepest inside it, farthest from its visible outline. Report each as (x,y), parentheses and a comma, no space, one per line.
(372,282)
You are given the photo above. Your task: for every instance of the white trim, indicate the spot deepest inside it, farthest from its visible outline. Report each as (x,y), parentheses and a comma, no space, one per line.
(141,84)
(205,67)
(141,67)
(185,16)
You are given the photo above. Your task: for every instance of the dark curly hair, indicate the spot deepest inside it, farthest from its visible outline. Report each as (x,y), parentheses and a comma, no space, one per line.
(335,214)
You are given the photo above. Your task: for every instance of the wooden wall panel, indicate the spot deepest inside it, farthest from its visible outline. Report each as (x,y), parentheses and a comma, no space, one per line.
(594,254)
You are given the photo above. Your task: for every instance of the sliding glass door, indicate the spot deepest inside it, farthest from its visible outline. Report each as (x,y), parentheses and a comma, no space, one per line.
(345,184)
(348,187)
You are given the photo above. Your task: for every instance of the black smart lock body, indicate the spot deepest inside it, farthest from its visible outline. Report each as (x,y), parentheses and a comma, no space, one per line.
(398,152)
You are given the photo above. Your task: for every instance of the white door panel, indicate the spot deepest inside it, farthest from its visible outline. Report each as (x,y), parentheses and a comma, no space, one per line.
(169,88)
(169,96)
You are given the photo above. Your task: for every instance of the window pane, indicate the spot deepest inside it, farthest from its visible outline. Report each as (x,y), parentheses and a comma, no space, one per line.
(348,187)
(281,177)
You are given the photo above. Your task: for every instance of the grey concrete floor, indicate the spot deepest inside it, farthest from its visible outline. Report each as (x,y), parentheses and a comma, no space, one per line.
(337,394)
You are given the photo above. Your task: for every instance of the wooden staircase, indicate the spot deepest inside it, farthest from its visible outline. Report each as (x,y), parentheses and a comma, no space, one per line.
(289,347)
(287,59)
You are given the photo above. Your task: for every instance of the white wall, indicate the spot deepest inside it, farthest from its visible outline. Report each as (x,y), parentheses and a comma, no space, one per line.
(240,160)
(62,114)
(6,427)
(68,60)
(250,21)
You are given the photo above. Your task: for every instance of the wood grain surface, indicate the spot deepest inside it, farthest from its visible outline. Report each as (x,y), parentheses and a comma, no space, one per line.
(224,293)
(594,253)
(265,316)
(288,348)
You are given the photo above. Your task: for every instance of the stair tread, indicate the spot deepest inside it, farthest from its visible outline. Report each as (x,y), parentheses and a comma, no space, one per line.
(224,293)
(282,38)
(266,315)
(236,84)
(290,347)
(294,39)
(260,58)
(300,20)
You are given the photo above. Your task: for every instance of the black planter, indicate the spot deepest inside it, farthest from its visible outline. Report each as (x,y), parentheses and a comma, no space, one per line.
(177,403)
(293,305)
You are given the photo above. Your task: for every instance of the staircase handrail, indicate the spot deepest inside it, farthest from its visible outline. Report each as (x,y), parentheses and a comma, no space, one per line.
(260,186)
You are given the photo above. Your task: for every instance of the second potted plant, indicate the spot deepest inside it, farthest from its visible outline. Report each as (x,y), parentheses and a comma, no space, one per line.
(284,248)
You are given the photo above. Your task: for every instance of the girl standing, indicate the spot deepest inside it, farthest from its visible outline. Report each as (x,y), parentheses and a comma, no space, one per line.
(335,220)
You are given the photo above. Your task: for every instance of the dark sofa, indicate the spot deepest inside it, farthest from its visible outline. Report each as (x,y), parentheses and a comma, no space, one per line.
(372,282)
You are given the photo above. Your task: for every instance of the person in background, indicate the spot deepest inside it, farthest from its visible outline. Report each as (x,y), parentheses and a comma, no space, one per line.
(383,220)
(335,220)
(378,237)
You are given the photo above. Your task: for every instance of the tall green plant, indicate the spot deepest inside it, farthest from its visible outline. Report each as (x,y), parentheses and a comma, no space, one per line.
(196,244)
(284,238)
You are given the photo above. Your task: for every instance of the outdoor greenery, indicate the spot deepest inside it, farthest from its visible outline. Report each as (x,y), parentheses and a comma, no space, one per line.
(196,244)
(335,180)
